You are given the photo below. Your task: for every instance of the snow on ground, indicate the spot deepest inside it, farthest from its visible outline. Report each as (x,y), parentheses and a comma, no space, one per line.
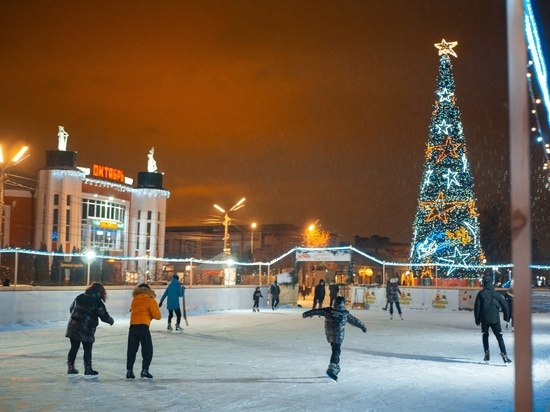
(275,361)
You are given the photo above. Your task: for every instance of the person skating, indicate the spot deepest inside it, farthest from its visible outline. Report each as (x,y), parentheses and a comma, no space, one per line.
(275,291)
(256,298)
(85,310)
(319,294)
(173,292)
(486,312)
(335,321)
(144,309)
(393,293)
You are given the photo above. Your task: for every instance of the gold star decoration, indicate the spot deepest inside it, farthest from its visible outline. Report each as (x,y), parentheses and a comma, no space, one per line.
(439,208)
(446,149)
(446,48)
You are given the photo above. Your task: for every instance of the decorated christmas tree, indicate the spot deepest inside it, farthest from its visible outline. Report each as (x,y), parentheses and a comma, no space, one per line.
(446,227)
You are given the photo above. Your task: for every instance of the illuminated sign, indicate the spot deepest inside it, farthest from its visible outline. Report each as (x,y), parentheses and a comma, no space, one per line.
(108,173)
(104,224)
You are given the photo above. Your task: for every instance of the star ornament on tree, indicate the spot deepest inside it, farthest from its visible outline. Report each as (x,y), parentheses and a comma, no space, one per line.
(446,48)
(438,208)
(446,149)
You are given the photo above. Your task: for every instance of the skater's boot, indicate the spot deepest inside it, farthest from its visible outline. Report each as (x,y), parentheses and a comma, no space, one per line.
(72,372)
(145,374)
(169,326)
(331,372)
(487,356)
(336,368)
(89,373)
(178,328)
(505,358)
(130,374)
(401,316)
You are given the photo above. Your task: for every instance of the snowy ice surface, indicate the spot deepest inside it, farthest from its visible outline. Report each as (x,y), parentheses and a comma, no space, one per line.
(275,361)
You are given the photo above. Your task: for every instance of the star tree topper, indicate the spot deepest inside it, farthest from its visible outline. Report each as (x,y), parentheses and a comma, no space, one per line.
(446,48)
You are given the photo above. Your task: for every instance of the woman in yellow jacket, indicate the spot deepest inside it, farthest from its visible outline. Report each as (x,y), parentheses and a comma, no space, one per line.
(144,309)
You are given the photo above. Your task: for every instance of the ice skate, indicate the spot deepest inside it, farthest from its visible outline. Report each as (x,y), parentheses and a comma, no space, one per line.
(130,374)
(506,359)
(391,317)
(401,316)
(145,374)
(169,328)
(89,373)
(332,372)
(487,356)
(72,372)
(179,328)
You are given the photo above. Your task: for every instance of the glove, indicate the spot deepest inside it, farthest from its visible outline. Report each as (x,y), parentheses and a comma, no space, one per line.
(304,315)
(160,305)
(365,330)
(506,325)
(111,321)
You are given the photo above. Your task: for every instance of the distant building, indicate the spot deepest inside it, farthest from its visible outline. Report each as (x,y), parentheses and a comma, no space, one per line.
(97,208)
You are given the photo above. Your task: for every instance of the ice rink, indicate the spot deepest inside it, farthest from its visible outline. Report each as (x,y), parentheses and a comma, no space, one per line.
(275,361)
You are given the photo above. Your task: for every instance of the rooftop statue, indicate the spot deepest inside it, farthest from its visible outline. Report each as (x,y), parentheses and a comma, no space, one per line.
(62,137)
(151,163)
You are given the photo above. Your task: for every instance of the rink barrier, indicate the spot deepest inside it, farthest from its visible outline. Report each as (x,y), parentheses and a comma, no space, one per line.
(36,305)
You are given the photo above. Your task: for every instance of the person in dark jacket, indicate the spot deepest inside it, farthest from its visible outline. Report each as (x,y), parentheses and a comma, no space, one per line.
(275,291)
(173,292)
(393,293)
(85,311)
(335,320)
(333,290)
(319,294)
(486,312)
(256,298)
(509,296)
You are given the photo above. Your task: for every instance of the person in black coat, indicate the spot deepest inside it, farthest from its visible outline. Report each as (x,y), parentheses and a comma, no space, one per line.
(275,291)
(335,320)
(319,294)
(256,298)
(487,313)
(85,311)
(333,290)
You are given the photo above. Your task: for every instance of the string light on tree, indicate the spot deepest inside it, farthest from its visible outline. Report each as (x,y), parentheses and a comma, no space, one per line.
(445,228)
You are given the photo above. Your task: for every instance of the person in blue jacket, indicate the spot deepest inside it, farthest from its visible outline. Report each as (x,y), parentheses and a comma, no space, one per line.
(173,292)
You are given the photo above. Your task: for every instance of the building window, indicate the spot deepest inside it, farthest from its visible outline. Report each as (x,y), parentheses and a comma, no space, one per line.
(149,215)
(68,226)
(68,200)
(55,200)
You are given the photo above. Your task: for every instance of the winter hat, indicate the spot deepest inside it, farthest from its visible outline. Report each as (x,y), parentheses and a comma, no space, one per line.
(340,303)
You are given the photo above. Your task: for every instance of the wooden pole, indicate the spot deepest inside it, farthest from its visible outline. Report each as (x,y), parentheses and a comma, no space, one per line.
(520,203)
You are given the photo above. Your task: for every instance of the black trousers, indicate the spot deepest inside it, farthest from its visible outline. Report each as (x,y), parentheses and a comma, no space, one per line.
(275,301)
(139,334)
(336,349)
(256,303)
(171,315)
(497,330)
(75,345)
(318,300)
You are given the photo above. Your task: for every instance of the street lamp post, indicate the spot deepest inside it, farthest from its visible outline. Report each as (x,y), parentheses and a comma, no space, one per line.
(3,167)
(252,227)
(227,222)
(90,256)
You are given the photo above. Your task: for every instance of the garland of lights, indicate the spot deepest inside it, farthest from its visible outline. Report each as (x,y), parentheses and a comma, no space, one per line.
(537,65)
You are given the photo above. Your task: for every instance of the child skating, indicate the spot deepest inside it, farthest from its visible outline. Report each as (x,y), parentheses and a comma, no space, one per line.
(335,320)
(256,298)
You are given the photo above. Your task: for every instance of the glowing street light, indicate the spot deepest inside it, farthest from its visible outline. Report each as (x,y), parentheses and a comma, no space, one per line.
(90,256)
(252,227)
(227,222)
(3,175)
